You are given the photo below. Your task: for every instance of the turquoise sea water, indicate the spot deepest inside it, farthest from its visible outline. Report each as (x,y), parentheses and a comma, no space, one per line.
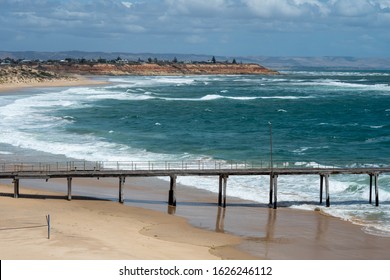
(318,118)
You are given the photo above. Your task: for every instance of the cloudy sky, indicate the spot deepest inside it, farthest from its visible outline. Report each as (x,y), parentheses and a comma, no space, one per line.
(220,27)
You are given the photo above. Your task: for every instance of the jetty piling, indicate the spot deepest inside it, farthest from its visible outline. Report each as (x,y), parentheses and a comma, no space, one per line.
(376,190)
(370,197)
(275,189)
(222,190)
(321,187)
(121,192)
(326,176)
(172,191)
(271,188)
(327,194)
(220,222)
(16,187)
(69,180)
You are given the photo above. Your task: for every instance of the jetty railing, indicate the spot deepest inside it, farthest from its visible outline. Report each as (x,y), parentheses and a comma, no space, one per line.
(173,165)
(221,168)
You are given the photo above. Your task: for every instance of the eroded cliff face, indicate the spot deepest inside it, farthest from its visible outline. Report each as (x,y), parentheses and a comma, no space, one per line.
(48,72)
(155,69)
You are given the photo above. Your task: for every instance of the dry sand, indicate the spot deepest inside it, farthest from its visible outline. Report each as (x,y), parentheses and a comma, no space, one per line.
(75,81)
(98,229)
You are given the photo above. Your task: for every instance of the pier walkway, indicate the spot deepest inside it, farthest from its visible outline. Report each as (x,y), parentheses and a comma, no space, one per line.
(222,169)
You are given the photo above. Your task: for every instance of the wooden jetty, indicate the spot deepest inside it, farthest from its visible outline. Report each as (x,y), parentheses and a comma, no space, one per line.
(223,170)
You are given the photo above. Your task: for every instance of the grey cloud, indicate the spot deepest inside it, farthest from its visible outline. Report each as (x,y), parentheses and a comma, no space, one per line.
(154,16)
(196,22)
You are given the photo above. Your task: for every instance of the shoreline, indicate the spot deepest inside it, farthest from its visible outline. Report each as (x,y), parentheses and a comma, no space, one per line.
(75,82)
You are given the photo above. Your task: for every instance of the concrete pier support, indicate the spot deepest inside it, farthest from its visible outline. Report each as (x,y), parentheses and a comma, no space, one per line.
(370,198)
(172,191)
(321,187)
(16,188)
(121,193)
(326,176)
(375,175)
(275,191)
(271,188)
(220,223)
(69,179)
(222,190)
(376,190)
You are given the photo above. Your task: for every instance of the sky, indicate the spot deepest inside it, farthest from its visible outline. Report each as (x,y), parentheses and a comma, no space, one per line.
(359,28)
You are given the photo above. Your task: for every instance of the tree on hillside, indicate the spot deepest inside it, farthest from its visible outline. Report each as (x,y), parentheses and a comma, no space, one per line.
(234,61)
(213,60)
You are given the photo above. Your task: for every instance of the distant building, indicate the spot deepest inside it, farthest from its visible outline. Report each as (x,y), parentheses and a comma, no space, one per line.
(25,61)
(122,61)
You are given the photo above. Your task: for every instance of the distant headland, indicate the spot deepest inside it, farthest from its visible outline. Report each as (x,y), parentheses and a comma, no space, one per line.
(279,63)
(151,67)
(24,72)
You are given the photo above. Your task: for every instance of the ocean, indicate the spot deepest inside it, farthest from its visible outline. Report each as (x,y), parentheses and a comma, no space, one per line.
(315,118)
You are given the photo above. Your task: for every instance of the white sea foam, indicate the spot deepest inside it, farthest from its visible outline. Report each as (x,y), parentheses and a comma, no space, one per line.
(147,81)
(338,73)
(346,85)
(211,97)
(376,126)
(286,97)
(217,96)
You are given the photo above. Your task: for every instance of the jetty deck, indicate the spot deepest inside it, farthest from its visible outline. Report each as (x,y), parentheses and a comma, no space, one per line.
(122,170)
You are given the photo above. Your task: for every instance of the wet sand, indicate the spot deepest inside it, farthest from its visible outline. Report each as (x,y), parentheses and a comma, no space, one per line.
(262,233)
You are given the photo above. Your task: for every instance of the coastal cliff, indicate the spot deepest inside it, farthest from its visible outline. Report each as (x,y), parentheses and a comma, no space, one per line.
(156,69)
(43,72)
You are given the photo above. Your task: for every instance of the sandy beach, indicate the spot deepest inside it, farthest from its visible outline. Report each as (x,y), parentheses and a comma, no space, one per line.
(86,228)
(97,229)
(75,81)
